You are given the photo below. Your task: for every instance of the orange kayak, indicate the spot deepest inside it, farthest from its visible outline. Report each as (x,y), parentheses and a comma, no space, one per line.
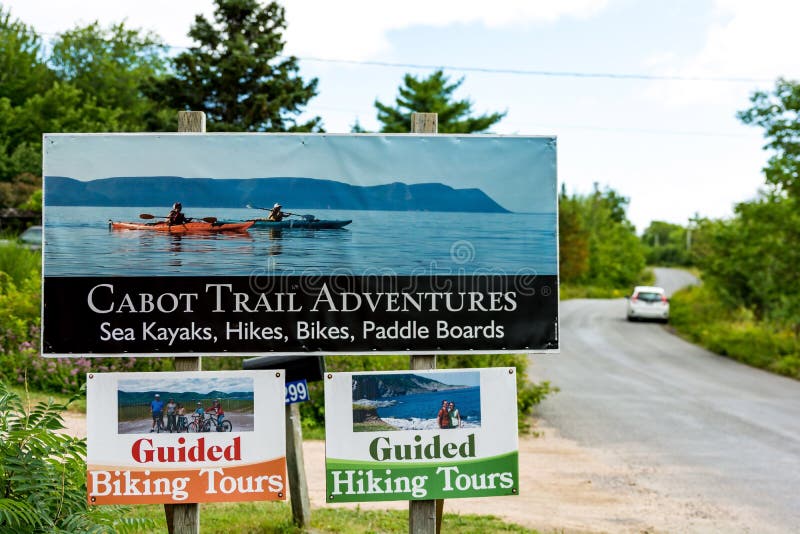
(196,227)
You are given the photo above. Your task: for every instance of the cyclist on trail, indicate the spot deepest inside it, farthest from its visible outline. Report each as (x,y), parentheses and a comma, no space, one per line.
(157,411)
(216,409)
(181,417)
(171,416)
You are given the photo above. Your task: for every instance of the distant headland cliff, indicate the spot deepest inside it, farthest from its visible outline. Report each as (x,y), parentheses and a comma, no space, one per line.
(303,193)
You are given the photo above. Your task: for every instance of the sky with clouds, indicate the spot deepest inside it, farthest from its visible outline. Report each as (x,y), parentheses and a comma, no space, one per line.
(180,385)
(674,147)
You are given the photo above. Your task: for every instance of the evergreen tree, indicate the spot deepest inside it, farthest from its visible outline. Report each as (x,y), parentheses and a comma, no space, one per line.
(236,72)
(433,95)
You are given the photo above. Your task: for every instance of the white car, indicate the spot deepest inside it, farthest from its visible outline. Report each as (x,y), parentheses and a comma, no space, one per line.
(648,302)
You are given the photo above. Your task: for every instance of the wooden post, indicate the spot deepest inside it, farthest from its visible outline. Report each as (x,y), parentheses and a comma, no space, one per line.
(296,471)
(425,517)
(185,518)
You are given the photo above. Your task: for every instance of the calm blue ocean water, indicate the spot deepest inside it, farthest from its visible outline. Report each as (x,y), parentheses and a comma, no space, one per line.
(79,243)
(419,411)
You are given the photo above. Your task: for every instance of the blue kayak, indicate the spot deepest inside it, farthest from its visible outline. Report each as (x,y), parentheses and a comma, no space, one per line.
(300,223)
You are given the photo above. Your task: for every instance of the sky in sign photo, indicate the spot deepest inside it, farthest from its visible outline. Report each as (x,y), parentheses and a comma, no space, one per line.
(200,385)
(641,95)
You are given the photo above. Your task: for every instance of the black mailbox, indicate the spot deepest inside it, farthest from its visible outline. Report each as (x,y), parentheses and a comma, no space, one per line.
(312,368)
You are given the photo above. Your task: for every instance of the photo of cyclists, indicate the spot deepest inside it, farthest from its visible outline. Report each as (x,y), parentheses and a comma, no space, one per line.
(175,405)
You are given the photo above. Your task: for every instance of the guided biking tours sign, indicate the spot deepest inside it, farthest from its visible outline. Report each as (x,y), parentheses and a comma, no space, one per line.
(420,435)
(185,437)
(250,244)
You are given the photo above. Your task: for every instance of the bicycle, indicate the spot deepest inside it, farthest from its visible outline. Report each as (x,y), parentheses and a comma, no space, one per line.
(159,426)
(224,426)
(196,425)
(182,425)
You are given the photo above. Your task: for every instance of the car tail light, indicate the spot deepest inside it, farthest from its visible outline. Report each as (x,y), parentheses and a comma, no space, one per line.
(664,299)
(635,297)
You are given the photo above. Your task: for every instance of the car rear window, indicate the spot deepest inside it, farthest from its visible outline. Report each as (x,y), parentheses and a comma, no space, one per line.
(649,297)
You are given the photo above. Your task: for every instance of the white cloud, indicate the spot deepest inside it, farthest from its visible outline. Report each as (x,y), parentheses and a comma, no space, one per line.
(344,29)
(357,29)
(746,39)
(171,19)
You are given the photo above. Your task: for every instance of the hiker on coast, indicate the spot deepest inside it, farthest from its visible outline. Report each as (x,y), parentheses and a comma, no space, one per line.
(444,416)
(455,415)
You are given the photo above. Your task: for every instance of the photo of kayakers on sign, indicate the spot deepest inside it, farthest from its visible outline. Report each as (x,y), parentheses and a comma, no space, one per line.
(280,204)
(408,401)
(193,405)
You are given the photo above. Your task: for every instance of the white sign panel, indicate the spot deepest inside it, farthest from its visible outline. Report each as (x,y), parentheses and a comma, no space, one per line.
(419,435)
(186,437)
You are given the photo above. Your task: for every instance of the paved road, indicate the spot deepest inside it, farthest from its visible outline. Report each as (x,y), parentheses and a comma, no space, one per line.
(717,431)
(242,422)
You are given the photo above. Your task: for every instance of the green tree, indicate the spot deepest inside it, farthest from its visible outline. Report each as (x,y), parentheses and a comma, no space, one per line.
(600,244)
(94,85)
(236,73)
(778,113)
(61,108)
(111,65)
(433,94)
(23,71)
(751,260)
(573,239)
(666,244)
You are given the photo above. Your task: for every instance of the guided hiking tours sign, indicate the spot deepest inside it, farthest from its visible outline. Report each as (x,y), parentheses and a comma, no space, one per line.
(247,244)
(185,437)
(421,435)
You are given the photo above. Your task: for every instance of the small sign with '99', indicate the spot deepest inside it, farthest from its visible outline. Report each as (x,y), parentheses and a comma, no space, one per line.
(297,391)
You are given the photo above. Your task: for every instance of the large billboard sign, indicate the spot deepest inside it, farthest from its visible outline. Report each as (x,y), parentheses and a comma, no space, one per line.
(299,244)
(419,435)
(185,437)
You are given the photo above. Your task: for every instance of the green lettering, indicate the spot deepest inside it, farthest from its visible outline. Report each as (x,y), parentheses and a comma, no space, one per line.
(467,449)
(379,454)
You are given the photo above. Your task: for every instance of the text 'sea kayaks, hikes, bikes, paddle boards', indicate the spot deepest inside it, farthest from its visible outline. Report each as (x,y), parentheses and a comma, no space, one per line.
(194,227)
(300,223)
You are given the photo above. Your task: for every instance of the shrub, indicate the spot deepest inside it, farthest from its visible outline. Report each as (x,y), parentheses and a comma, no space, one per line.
(20,263)
(43,474)
(699,314)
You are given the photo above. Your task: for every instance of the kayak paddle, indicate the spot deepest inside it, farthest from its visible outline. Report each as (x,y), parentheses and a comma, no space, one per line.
(211,220)
(306,217)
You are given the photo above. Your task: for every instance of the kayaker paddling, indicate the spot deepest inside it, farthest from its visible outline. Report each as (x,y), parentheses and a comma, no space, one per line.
(275,214)
(176,216)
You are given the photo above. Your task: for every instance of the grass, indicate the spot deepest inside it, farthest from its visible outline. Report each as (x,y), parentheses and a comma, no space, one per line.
(699,316)
(19,262)
(33,397)
(372,426)
(277,518)
(576,291)
(313,432)
(570,291)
